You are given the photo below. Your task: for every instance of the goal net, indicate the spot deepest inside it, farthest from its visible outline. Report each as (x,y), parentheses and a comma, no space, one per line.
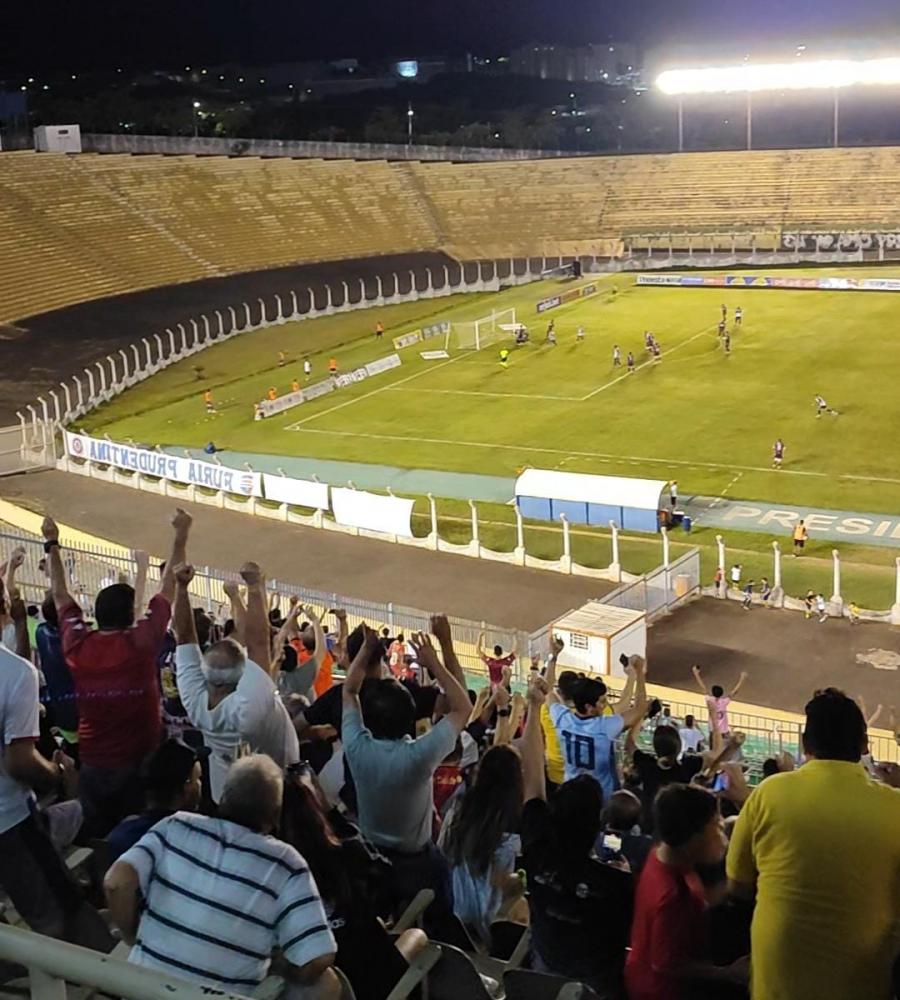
(479,333)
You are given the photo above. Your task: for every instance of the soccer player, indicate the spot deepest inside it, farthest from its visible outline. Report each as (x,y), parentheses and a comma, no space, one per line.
(822,407)
(282,359)
(295,385)
(800,537)
(332,366)
(617,356)
(379,330)
(208,401)
(726,342)
(778,455)
(551,332)
(579,334)
(738,316)
(629,361)
(272,394)
(721,328)
(307,368)
(673,493)
(648,341)
(504,357)
(656,351)
(724,313)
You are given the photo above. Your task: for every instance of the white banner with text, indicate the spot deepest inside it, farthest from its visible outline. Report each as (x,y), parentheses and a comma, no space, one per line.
(155,463)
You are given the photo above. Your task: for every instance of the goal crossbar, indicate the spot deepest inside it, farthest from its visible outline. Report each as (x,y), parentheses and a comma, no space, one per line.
(479,333)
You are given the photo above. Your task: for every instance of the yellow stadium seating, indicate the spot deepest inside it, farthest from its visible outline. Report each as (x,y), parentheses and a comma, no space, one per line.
(75,228)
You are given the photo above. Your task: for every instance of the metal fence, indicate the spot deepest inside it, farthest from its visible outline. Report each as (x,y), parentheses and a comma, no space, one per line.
(662,590)
(89,568)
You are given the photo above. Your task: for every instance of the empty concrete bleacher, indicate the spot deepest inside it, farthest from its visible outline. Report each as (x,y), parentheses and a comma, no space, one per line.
(76,228)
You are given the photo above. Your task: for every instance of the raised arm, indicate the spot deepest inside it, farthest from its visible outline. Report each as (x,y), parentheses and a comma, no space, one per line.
(502,733)
(739,684)
(698,677)
(238,610)
(58,589)
(459,706)
(19,615)
(532,746)
(440,628)
(321,646)
(356,673)
(283,635)
(479,648)
(339,652)
(636,713)
(181,527)
(256,628)
(13,565)
(183,623)
(556,647)
(142,564)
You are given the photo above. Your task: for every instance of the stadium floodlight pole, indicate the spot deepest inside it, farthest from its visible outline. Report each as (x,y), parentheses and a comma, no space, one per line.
(680,125)
(837,116)
(410,115)
(749,120)
(196,116)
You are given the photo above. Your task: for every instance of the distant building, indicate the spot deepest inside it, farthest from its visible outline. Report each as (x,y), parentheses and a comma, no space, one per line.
(607,62)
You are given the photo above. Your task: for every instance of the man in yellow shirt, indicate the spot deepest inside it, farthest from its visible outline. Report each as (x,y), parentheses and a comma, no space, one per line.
(821,846)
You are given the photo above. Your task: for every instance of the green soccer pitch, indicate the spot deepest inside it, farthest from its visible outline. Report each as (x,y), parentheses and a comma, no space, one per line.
(697,415)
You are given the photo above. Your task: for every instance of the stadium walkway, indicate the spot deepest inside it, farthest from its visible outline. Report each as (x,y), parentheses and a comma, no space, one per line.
(708,512)
(507,596)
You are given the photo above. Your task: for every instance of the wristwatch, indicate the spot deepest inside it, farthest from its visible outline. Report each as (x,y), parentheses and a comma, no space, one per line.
(50,543)
(504,712)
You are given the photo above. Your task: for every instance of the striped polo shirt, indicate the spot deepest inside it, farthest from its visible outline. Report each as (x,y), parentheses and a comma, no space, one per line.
(218,898)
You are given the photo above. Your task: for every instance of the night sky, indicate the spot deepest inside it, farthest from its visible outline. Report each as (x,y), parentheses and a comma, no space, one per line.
(37,35)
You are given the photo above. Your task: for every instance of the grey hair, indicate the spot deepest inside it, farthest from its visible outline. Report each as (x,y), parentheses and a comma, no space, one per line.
(223,663)
(254,788)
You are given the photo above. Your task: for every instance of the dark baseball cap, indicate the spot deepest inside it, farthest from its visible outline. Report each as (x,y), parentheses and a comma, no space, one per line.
(170,766)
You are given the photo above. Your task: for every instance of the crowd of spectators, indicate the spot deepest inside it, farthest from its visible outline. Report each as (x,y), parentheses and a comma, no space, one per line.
(250,812)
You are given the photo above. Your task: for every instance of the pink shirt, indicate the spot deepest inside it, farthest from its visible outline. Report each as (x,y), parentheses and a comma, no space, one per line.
(718,712)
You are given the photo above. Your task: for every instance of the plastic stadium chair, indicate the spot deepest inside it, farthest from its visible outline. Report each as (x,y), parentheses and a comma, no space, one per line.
(455,977)
(523,984)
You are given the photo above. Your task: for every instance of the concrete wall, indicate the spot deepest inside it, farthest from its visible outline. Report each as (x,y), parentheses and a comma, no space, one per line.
(208,146)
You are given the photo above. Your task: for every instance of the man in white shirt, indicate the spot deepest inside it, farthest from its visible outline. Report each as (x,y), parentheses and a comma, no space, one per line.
(691,737)
(228,695)
(209,899)
(31,872)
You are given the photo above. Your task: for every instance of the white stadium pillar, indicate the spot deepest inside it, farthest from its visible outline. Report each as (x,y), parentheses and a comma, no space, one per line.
(895,610)
(776,575)
(720,544)
(475,543)
(567,544)
(432,507)
(615,567)
(520,537)
(836,593)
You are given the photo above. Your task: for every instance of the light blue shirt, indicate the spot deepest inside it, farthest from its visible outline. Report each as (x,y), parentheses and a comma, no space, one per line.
(587,744)
(393,778)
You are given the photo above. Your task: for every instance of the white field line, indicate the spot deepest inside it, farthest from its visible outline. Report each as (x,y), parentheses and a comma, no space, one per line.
(601,456)
(563,399)
(644,364)
(498,395)
(373,392)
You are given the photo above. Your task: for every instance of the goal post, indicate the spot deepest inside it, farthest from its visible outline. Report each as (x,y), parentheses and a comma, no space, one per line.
(479,333)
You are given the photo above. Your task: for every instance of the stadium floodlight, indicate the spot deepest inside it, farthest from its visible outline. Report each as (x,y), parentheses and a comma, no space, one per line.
(825,74)
(753,78)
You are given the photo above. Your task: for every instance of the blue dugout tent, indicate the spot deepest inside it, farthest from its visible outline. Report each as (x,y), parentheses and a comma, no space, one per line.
(632,503)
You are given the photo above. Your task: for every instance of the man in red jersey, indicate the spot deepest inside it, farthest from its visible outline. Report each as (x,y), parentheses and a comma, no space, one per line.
(116,680)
